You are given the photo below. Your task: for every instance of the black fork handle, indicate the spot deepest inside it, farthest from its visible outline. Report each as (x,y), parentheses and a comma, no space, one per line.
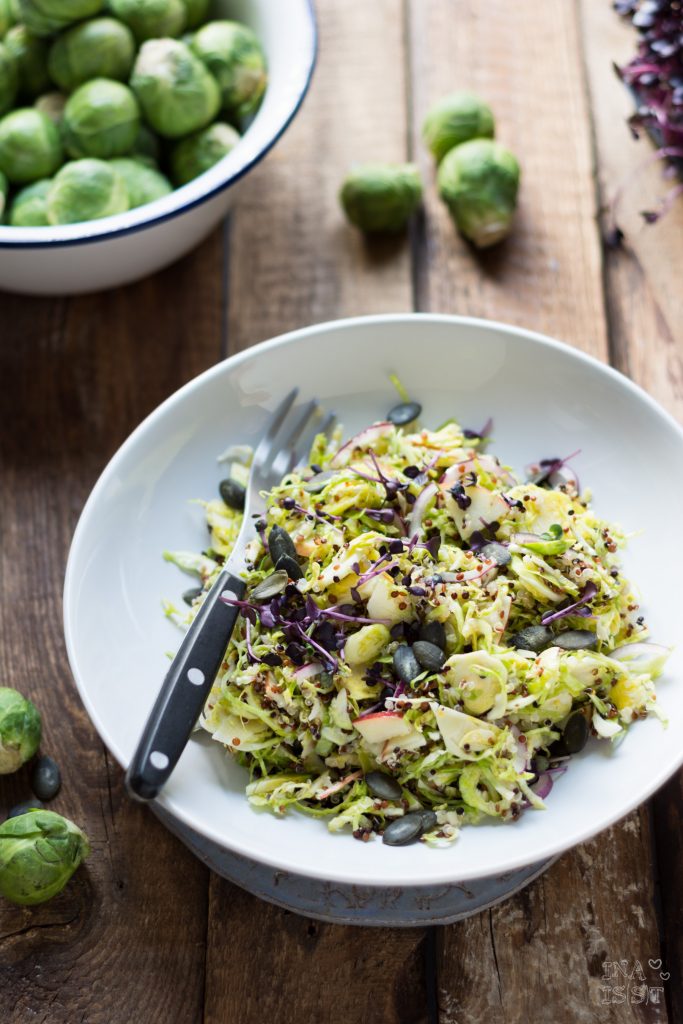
(184,690)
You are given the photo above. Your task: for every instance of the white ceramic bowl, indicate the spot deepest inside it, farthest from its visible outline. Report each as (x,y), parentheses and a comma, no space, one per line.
(75,258)
(546,399)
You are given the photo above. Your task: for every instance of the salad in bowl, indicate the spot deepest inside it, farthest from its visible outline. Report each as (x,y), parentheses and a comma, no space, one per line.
(427,637)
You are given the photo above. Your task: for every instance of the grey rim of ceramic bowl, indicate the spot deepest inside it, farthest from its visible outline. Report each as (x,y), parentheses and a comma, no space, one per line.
(311,44)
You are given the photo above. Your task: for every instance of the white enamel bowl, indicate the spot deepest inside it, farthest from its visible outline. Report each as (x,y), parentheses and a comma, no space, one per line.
(75,258)
(545,398)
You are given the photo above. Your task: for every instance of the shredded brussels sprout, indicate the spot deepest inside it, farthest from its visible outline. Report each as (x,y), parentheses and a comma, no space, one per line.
(531,637)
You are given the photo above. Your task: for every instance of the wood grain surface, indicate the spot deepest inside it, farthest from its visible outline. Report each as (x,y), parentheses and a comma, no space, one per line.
(144,933)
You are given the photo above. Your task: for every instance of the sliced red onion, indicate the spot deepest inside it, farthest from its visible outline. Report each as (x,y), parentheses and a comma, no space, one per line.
(361,440)
(542,786)
(418,510)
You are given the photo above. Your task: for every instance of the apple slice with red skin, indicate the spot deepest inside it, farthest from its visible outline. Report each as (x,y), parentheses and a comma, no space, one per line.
(382,726)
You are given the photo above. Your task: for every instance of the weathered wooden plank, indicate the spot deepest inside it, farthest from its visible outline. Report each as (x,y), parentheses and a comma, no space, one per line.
(294,261)
(540,954)
(523,59)
(293,258)
(641,277)
(643,290)
(125,940)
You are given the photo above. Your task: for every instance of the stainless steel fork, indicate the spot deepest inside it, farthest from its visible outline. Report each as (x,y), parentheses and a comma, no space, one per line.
(286,441)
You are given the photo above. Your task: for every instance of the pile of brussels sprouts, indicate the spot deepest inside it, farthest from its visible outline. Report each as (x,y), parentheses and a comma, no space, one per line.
(39,850)
(477,178)
(106,105)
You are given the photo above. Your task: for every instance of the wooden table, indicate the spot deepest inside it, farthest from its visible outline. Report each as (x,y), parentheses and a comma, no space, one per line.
(146,934)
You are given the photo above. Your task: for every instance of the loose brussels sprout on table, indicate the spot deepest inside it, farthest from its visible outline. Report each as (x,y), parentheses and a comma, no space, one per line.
(86,190)
(101,119)
(233,55)
(29,206)
(39,852)
(478,181)
(143,183)
(20,728)
(30,57)
(99,48)
(456,119)
(197,153)
(149,19)
(9,79)
(381,197)
(30,146)
(176,92)
(45,17)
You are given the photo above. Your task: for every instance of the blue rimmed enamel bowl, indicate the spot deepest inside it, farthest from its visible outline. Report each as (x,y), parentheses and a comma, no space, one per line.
(72,258)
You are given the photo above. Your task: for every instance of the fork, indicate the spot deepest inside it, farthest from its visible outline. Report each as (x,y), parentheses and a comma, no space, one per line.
(287,439)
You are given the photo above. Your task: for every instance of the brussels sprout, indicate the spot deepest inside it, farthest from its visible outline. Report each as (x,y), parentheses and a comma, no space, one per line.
(478,181)
(29,206)
(454,120)
(30,57)
(233,55)
(7,18)
(195,12)
(381,197)
(4,189)
(45,17)
(176,92)
(39,852)
(101,119)
(9,79)
(197,153)
(19,730)
(52,104)
(99,48)
(149,19)
(30,146)
(86,190)
(143,183)
(146,146)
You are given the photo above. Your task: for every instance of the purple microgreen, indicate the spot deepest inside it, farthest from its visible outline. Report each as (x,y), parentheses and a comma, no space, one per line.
(380,515)
(462,500)
(540,473)
(328,658)
(587,594)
